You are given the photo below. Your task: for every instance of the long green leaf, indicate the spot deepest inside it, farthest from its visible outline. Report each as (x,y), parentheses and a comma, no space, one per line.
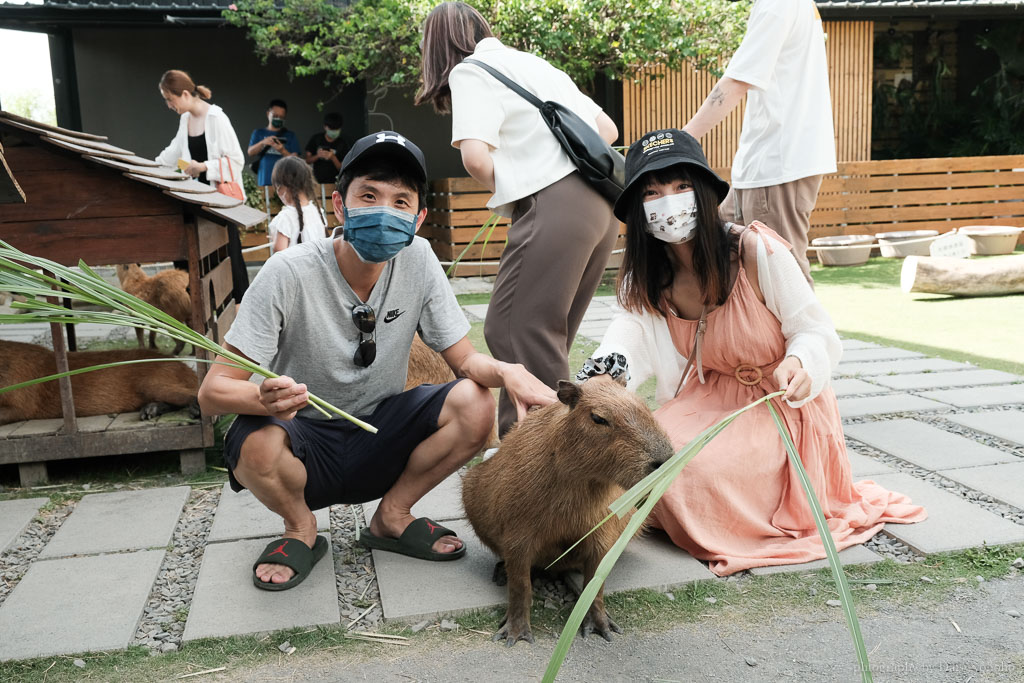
(19,273)
(491,222)
(654,486)
(845,596)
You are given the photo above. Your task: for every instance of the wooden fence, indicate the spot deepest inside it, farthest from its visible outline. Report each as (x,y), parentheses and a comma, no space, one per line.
(660,98)
(257,235)
(862,197)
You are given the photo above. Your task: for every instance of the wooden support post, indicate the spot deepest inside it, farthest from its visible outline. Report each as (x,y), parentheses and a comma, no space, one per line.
(32,474)
(60,352)
(193,461)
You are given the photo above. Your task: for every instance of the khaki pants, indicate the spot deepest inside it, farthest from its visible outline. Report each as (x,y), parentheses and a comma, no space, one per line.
(784,208)
(557,250)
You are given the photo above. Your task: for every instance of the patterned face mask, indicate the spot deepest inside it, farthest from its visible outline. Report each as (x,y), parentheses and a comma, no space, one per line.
(672,218)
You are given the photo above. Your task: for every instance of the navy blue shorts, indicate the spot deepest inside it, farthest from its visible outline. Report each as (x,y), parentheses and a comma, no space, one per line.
(345,463)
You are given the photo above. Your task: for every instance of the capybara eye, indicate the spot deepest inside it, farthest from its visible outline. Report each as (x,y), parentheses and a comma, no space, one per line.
(598,420)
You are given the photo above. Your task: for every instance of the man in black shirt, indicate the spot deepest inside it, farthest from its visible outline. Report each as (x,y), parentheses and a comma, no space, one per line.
(326,150)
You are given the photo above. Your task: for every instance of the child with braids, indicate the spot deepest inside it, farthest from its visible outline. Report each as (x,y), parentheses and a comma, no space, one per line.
(300,219)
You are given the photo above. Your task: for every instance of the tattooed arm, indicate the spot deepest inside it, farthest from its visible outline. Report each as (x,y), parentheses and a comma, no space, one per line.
(726,94)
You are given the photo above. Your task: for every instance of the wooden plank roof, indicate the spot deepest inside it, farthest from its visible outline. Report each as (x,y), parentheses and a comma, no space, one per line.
(95,149)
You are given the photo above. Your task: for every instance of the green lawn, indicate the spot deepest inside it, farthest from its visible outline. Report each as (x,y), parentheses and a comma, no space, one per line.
(866,302)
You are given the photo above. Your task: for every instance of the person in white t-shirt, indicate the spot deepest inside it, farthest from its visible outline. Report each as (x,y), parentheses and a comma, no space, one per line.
(788,141)
(300,220)
(562,230)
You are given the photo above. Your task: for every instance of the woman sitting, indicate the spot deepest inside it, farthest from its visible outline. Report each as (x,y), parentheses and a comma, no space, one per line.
(722,316)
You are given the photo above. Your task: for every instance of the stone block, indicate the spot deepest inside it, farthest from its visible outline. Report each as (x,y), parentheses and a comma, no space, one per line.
(15,515)
(226,602)
(931,380)
(862,466)
(891,403)
(979,396)
(1004,424)
(1003,482)
(925,445)
(77,604)
(856,554)
(854,387)
(878,353)
(905,366)
(122,520)
(240,515)
(442,504)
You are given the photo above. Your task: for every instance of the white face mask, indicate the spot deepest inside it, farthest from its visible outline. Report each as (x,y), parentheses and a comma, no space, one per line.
(672,218)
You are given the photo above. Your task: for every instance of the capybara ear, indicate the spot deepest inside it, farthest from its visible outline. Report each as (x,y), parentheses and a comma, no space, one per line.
(568,393)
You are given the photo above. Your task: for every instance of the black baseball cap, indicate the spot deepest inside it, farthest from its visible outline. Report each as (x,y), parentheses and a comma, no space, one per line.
(661,149)
(387,143)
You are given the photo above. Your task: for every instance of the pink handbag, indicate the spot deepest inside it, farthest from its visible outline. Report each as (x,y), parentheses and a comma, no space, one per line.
(229,188)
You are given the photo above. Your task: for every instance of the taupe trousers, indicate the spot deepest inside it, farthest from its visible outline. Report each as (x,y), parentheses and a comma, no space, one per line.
(558,247)
(784,208)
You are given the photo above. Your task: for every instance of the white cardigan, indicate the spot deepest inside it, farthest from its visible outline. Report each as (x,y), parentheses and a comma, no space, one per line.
(644,339)
(221,143)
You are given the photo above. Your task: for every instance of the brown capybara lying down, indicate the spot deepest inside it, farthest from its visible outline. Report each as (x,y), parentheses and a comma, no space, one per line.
(151,388)
(551,482)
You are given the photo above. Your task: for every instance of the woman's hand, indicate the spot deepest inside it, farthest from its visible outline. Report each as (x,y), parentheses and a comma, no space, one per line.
(793,379)
(195,168)
(282,397)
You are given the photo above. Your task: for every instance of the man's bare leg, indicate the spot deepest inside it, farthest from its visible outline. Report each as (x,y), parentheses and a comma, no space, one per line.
(464,426)
(267,467)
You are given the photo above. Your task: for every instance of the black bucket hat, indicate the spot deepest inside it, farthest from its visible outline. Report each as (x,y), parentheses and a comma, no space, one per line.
(661,149)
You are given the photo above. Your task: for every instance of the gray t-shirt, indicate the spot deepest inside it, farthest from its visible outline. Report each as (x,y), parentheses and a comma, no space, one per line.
(296,320)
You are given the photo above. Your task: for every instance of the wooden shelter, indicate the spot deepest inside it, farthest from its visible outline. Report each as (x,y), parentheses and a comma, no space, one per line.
(84,198)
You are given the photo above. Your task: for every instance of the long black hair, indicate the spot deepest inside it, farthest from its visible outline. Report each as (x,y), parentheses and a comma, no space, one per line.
(647,270)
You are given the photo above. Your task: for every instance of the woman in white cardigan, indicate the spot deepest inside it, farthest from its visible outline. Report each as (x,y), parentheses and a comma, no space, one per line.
(207,141)
(721,315)
(204,130)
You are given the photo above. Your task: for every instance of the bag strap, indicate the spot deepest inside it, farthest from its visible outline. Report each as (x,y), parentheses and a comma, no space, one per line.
(220,165)
(515,87)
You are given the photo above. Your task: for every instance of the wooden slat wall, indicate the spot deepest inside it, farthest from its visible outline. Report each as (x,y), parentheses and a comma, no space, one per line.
(671,100)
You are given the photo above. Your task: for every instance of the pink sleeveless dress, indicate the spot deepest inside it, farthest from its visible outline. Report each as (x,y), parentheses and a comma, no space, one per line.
(738,504)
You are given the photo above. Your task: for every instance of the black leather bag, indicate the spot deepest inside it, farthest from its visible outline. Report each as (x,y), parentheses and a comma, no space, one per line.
(600,165)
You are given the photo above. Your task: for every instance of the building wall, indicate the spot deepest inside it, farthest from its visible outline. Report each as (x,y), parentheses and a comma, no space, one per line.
(119,71)
(430,131)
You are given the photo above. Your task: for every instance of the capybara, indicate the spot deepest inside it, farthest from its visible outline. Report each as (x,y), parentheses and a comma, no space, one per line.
(427,366)
(151,388)
(551,482)
(167,290)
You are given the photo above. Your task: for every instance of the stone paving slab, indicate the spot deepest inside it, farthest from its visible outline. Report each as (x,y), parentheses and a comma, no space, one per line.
(1003,482)
(980,396)
(892,403)
(476,310)
(650,561)
(862,466)
(77,604)
(853,387)
(952,524)
(931,380)
(1005,424)
(441,504)
(412,589)
(15,516)
(122,520)
(856,554)
(240,515)
(879,353)
(925,445)
(227,603)
(904,366)
(9,428)
(37,427)
(851,344)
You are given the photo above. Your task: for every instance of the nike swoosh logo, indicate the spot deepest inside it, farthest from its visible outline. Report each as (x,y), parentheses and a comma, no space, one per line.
(392,316)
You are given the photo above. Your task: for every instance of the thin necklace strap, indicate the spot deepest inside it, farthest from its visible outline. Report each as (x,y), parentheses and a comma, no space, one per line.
(695,354)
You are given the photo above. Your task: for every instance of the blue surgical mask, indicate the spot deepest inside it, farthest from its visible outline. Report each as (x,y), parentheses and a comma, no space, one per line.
(378,233)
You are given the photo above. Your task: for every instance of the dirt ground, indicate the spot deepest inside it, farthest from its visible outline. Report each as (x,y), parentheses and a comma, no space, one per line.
(968,638)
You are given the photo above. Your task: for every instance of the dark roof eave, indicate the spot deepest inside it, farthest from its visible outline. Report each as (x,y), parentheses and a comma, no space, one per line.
(861,12)
(36,17)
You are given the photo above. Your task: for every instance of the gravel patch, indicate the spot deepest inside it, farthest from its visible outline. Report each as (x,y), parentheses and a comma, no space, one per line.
(163,619)
(14,563)
(358,594)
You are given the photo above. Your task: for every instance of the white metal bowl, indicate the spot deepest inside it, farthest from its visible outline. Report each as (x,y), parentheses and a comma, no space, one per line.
(992,239)
(843,250)
(905,243)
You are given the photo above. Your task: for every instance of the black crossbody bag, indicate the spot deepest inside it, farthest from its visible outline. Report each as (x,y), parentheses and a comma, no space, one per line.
(600,165)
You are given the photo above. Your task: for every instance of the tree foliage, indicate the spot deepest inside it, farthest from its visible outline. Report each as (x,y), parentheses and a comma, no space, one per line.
(378,40)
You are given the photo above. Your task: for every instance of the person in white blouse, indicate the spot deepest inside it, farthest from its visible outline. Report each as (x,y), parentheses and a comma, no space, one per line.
(207,143)
(721,315)
(562,230)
